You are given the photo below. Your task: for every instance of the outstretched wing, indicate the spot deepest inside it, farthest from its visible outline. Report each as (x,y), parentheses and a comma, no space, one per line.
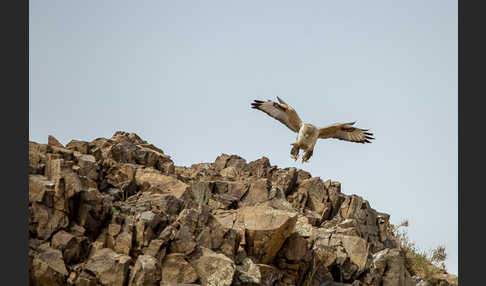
(280,111)
(344,131)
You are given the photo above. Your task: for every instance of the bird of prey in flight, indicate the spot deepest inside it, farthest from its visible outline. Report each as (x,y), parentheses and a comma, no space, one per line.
(308,133)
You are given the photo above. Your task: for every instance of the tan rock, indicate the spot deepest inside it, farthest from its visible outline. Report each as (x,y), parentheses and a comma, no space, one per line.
(109,267)
(295,247)
(85,279)
(260,168)
(152,180)
(230,172)
(51,140)
(266,230)
(285,179)
(269,274)
(257,193)
(80,146)
(175,269)
(214,269)
(72,248)
(37,158)
(145,272)
(48,268)
(248,272)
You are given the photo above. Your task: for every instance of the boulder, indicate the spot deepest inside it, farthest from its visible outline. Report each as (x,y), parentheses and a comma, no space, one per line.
(146,272)
(48,268)
(248,272)
(265,230)
(214,269)
(109,267)
(175,269)
(73,248)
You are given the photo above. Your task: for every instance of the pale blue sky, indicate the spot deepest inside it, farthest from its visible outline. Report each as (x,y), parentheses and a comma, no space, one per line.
(182,75)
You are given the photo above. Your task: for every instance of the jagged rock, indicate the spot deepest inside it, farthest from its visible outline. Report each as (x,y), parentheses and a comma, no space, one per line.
(156,249)
(175,269)
(44,218)
(217,236)
(109,267)
(85,279)
(151,180)
(82,147)
(285,179)
(388,268)
(225,160)
(202,192)
(118,212)
(147,227)
(190,223)
(295,247)
(269,274)
(230,172)
(48,268)
(265,230)
(351,252)
(124,242)
(248,272)
(214,268)
(87,165)
(37,158)
(73,248)
(260,168)
(145,272)
(257,193)
(51,140)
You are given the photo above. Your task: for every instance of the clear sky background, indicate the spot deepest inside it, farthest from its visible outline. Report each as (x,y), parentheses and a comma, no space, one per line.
(182,75)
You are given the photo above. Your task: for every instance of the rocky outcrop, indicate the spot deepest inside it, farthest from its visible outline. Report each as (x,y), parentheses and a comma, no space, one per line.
(119,212)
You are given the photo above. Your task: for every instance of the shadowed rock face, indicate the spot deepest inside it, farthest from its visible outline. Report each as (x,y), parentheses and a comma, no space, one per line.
(118,212)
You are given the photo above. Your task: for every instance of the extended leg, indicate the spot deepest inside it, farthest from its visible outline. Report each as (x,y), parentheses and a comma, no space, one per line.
(307,155)
(295,151)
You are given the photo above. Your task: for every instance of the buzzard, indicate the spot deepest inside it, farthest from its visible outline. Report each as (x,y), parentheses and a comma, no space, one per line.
(308,133)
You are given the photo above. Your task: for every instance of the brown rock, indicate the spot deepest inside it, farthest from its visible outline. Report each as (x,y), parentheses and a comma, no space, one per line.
(202,192)
(44,221)
(37,158)
(47,268)
(285,179)
(248,272)
(145,272)
(295,247)
(85,279)
(214,268)
(389,264)
(317,194)
(79,146)
(51,140)
(265,230)
(152,180)
(217,236)
(355,248)
(123,242)
(175,269)
(73,248)
(109,267)
(260,168)
(258,193)
(87,165)
(269,274)
(230,172)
